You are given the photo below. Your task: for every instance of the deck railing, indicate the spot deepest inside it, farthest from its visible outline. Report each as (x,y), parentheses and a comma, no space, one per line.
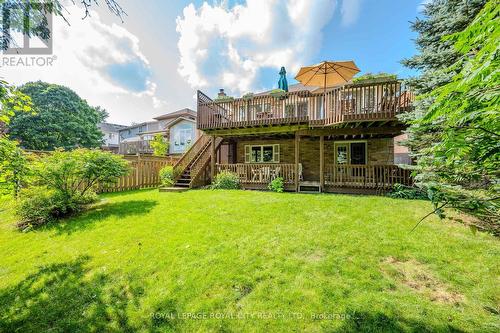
(260,173)
(135,147)
(366,176)
(352,176)
(350,103)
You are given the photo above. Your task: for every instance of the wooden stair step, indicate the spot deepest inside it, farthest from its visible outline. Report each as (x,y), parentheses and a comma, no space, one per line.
(173,189)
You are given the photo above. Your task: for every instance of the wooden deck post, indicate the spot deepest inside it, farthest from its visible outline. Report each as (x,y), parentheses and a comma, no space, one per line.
(321,162)
(213,156)
(297,151)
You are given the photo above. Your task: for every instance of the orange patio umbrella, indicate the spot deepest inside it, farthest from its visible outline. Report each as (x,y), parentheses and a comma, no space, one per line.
(327,74)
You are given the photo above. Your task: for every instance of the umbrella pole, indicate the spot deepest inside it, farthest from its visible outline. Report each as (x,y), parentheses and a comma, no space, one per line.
(324,96)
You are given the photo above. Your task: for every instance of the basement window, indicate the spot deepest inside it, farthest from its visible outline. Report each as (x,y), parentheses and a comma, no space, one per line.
(262,153)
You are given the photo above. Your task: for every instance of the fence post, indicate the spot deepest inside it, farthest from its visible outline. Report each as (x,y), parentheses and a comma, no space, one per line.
(138,171)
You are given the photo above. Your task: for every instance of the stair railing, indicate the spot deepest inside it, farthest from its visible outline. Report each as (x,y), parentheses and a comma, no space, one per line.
(188,157)
(201,162)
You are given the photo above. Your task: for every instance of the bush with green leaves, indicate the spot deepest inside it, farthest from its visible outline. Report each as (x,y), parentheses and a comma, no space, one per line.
(277,185)
(159,145)
(40,205)
(400,191)
(167,175)
(66,181)
(226,180)
(14,170)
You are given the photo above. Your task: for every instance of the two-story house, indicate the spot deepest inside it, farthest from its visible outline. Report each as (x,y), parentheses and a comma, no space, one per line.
(111,136)
(177,128)
(338,140)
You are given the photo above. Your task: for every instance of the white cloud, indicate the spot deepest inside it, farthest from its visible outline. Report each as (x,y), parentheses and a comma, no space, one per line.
(350,11)
(421,5)
(85,50)
(221,47)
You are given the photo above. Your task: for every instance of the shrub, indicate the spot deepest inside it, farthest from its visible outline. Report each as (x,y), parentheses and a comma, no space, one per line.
(372,76)
(400,191)
(14,170)
(159,145)
(40,205)
(167,175)
(74,173)
(66,183)
(277,185)
(277,93)
(226,180)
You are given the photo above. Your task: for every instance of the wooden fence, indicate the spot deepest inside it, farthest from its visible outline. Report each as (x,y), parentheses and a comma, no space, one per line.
(145,173)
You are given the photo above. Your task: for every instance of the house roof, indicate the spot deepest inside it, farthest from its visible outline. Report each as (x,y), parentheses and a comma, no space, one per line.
(109,127)
(154,123)
(173,122)
(186,112)
(168,125)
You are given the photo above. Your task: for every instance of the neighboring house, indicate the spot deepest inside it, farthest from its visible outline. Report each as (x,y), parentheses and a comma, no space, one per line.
(111,136)
(346,145)
(178,128)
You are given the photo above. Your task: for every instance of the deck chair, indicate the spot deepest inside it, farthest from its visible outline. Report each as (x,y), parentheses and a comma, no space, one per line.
(276,173)
(266,173)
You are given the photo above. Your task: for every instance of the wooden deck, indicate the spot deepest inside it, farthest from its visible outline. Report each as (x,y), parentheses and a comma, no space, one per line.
(375,102)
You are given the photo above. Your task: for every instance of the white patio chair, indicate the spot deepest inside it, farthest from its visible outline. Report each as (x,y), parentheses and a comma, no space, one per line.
(276,172)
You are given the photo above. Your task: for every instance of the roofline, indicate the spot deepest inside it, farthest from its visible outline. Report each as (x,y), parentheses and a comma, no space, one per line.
(178,113)
(172,123)
(139,124)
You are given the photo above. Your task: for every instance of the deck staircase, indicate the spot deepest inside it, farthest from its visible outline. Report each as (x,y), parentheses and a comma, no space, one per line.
(191,170)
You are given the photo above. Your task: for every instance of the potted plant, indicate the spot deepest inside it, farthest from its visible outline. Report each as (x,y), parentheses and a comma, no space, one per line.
(278,93)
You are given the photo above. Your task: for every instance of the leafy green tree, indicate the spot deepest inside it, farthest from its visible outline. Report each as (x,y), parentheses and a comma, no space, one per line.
(11,101)
(62,119)
(455,128)
(159,145)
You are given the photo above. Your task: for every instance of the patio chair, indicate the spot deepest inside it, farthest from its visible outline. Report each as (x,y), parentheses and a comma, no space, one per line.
(276,172)
(265,174)
(255,174)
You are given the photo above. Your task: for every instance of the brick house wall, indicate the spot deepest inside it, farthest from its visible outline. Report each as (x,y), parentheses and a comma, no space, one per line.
(380,152)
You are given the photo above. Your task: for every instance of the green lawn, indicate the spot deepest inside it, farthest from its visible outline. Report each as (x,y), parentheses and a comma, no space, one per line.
(257,261)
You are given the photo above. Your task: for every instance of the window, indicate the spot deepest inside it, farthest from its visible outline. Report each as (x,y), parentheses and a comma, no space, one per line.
(262,154)
(351,153)
(181,137)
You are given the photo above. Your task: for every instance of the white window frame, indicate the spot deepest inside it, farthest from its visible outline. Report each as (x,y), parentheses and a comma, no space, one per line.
(348,143)
(276,153)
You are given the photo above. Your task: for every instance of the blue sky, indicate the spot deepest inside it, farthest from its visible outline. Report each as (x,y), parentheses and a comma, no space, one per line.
(154,62)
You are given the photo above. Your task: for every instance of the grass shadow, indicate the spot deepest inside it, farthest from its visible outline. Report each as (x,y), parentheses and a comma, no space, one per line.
(64,297)
(100,212)
(380,322)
